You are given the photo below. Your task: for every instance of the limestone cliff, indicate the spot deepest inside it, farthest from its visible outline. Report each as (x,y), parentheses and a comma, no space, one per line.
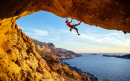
(49,49)
(20,62)
(70,52)
(16,56)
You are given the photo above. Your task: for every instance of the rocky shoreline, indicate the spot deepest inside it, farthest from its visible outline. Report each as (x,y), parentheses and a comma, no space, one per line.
(64,70)
(48,49)
(79,71)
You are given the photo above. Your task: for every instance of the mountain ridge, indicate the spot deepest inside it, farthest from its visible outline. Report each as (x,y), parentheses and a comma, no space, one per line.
(49,48)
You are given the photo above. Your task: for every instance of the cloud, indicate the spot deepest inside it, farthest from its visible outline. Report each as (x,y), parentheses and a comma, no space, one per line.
(86,41)
(114,34)
(111,40)
(91,37)
(86,36)
(53,39)
(58,32)
(64,31)
(39,32)
(74,32)
(102,37)
(36,33)
(21,28)
(28,33)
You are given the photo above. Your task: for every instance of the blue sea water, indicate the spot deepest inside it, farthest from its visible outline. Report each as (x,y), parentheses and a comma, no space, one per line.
(116,69)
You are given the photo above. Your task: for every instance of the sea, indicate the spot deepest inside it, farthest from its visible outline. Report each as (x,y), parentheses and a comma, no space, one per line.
(115,69)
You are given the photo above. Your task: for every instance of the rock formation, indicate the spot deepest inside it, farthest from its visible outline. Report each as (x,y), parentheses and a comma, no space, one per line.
(70,52)
(18,58)
(108,14)
(55,64)
(49,49)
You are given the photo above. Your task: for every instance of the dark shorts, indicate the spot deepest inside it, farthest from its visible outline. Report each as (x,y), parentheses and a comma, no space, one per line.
(73,26)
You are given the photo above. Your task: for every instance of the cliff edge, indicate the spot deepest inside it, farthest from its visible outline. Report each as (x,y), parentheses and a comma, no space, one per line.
(19,60)
(49,49)
(108,14)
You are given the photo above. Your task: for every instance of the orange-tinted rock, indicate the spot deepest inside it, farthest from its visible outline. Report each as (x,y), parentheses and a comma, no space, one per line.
(106,79)
(60,71)
(76,75)
(55,66)
(55,59)
(18,58)
(85,78)
(65,68)
(108,14)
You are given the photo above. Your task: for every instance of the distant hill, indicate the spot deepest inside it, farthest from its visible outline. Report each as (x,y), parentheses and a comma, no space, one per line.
(61,49)
(68,51)
(127,56)
(49,48)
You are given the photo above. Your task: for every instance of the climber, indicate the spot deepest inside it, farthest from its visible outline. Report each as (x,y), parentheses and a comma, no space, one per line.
(72,26)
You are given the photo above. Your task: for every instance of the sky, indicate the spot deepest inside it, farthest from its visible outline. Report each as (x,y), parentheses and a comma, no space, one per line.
(47,27)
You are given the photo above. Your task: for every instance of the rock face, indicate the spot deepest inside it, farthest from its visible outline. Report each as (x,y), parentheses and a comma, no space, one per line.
(70,52)
(19,60)
(46,47)
(16,56)
(108,14)
(49,49)
(64,70)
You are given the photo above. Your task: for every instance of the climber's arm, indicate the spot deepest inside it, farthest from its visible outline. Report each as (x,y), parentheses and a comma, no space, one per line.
(66,19)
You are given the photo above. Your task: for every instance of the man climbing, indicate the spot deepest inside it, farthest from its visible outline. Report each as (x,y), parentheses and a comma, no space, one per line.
(72,26)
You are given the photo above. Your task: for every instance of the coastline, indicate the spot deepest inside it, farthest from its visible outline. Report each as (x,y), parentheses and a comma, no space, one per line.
(126,56)
(91,76)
